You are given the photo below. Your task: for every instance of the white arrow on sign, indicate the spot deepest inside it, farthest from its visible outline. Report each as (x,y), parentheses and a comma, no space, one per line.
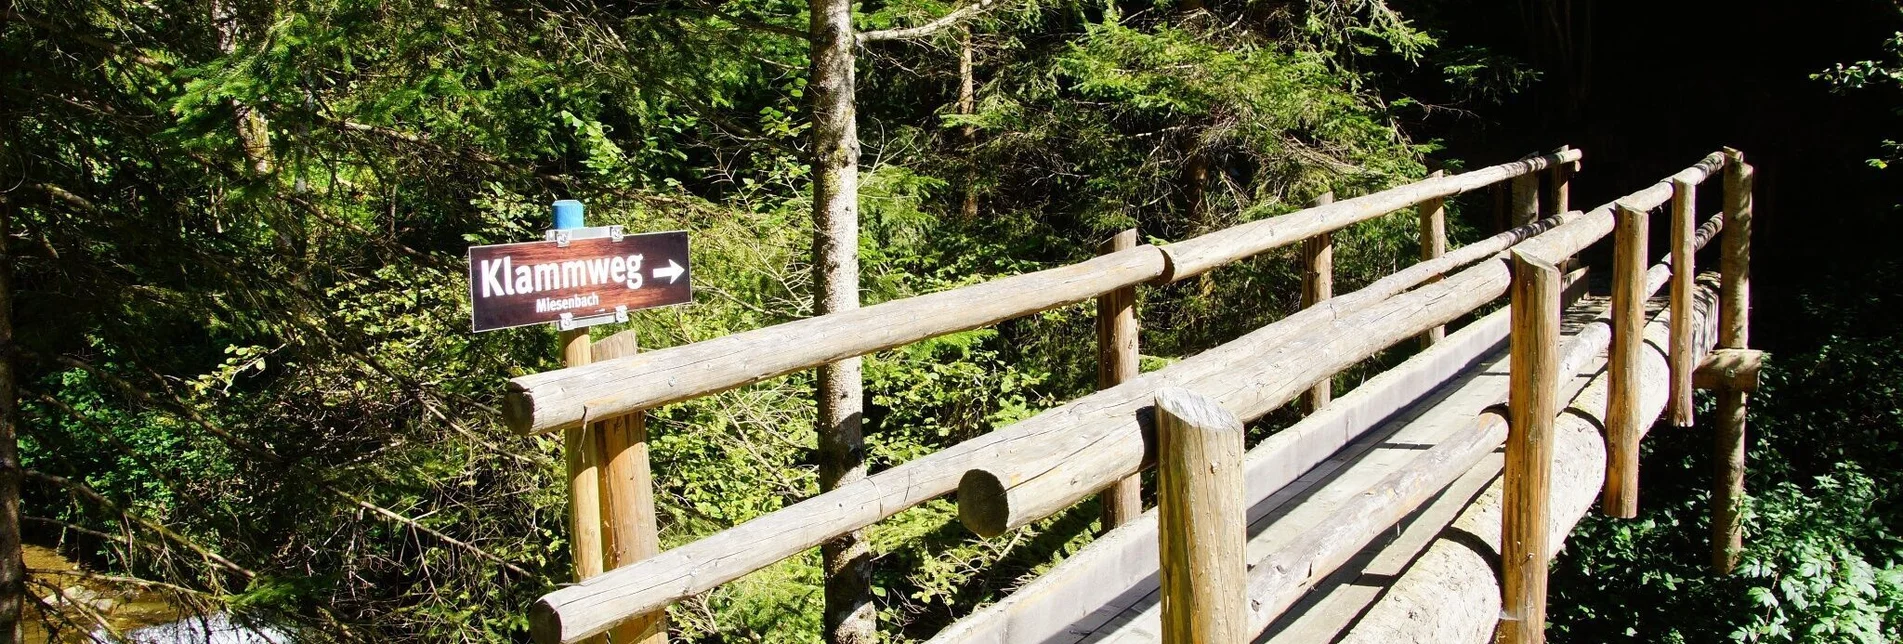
(672,272)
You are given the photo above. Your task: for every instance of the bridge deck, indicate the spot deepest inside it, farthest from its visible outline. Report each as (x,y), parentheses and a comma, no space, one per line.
(1334,604)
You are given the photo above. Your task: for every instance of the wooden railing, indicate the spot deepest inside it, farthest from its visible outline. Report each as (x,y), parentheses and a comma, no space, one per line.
(563,398)
(1049,462)
(1206,610)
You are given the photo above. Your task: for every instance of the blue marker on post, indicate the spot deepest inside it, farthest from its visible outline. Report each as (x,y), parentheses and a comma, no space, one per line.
(569,214)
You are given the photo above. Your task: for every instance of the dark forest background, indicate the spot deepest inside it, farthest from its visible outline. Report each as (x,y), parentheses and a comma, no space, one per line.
(245,382)
(1662,81)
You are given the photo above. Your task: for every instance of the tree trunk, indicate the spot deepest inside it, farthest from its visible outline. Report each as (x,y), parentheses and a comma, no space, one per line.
(1195,177)
(254,132)
(967,105)
(12,569)
(849,615)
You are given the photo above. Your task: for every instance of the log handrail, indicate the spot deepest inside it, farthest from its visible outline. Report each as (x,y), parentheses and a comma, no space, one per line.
(564,398)
(1008,493)
(577,611)
(580,610)
(1278,580)
(1101,438)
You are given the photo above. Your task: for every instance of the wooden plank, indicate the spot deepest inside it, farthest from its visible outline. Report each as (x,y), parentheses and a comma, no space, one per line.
(1533,399)
(1060,468)
(1199,502)
(1076,598)
(631,530)
(1628,327)
(1345,598)
(1684,268)
(1735,369)
(568,614)
(1433,224)
(1451,593)
(1117,362)
(1196,256)
(1070,460)
(1296,535)
(1089,588)
(1318,284)
(1279,580)
(1330,511)
(584,609)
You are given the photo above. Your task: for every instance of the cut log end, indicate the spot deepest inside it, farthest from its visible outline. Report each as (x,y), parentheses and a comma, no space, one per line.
(1733,369)
(981,504)
(545,624)
(518,411)
(1536,260)
(1195,410)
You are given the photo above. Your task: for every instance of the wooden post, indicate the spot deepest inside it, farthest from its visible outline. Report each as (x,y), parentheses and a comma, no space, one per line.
(578,444)
(1501,220)
(1623,389)
(1684,268)
(1117,363)
(1526,199)
(627,496)
(1200,538)
(1318,283)
(1735,261)
(13,591)
(1433,215)
(1532,402)
(584,491)
(1734,308)
(1559,184)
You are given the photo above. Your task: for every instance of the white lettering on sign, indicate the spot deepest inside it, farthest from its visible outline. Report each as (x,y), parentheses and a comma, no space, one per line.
(550,304)
(580,281)
(503,277)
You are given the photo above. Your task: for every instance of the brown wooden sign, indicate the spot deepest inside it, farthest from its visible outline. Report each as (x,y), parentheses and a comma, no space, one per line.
(579,282)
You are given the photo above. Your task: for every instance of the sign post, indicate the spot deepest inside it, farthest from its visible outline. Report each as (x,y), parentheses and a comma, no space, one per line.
(576,278)
(578,444)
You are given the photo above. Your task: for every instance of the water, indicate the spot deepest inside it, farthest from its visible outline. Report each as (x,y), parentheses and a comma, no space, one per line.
(216,628)
(143,616)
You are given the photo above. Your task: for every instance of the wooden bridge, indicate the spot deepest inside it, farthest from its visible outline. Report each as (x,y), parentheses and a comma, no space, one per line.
(1388,515)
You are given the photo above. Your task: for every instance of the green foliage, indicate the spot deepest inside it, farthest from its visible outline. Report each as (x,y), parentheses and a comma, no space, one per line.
(1822,561)
(1873,74)
(239,233)
(1817,582)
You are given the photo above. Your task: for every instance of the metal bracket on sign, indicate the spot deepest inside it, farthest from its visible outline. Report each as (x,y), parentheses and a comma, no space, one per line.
(561,236)
(569,322)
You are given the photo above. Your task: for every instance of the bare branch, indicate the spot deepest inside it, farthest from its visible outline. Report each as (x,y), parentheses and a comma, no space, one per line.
(910,33)
(414,525)
(133,54)
(181,407)
(82,490)
(754,24)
